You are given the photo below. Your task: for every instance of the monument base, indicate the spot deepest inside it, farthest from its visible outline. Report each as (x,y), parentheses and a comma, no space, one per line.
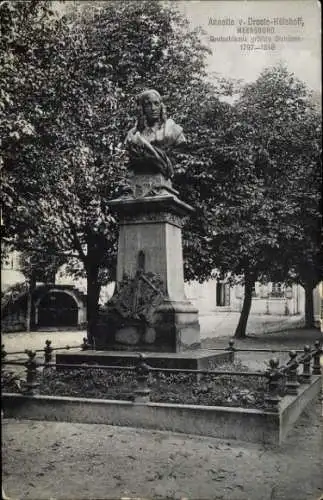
(176,324)
(149,310)
(174,328)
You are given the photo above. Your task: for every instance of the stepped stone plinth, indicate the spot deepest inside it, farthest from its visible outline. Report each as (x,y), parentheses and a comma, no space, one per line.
(197,359)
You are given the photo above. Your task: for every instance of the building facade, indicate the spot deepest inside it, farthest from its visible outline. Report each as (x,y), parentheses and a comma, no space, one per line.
(270,298)
(63,303)
(51,305)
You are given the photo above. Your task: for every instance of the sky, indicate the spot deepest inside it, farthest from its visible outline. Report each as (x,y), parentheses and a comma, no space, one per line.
(296,18)
(246,60)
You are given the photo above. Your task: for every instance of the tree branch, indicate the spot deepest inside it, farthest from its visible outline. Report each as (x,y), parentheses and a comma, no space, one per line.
(78,245)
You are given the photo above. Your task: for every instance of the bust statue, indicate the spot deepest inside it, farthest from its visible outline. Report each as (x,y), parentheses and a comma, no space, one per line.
(153,137)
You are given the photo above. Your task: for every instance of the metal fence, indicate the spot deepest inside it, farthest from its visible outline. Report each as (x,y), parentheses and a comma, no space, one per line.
(281,379)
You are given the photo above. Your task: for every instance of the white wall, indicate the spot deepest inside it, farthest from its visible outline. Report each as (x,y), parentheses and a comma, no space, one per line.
(10,277)
(10,273)
(203,296)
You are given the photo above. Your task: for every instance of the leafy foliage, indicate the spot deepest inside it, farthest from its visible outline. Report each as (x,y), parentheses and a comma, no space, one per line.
(77,85)
(40,267)
(255,177)
(12,294)
(24,27)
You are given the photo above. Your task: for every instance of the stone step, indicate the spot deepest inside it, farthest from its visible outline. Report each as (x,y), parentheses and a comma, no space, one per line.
(199,359)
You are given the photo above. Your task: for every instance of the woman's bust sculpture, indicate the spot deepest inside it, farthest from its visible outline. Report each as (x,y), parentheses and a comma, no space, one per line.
(153,137)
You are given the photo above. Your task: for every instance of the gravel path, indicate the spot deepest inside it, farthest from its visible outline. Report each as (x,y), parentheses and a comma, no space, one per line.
(212,326)
(44,460)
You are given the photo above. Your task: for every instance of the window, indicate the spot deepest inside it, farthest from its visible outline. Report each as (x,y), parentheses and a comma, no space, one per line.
(277,290)
(222,294)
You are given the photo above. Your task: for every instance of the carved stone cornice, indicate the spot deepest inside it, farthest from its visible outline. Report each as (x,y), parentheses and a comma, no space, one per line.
(149,198)
(146,218)
(156,204)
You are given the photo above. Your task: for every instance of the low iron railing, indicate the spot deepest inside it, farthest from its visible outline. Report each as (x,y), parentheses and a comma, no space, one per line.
(281,380)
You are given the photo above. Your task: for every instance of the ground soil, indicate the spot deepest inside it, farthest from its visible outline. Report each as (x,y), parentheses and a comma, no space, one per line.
(50,460)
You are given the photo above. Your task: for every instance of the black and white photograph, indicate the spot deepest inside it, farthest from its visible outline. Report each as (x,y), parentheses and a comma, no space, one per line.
(161,250)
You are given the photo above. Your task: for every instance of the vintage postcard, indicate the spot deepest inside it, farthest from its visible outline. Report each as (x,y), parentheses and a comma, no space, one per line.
(161,276)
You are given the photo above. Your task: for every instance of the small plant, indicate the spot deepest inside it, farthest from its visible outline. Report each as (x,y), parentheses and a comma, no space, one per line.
(10,382)
(181,388)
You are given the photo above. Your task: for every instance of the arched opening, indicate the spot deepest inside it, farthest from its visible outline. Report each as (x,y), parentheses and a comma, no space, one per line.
(57,309)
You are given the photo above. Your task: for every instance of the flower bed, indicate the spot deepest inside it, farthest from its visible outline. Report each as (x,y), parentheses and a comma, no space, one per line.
(179,388)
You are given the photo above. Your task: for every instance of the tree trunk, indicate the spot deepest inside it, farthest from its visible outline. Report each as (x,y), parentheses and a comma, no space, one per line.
(309,306)
(243,320)
(92,304)
(29,312)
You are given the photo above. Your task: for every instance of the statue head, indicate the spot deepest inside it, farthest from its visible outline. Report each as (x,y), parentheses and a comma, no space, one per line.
(151,109)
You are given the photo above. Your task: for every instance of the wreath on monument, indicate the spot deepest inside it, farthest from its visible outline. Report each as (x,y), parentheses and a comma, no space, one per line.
(137,298)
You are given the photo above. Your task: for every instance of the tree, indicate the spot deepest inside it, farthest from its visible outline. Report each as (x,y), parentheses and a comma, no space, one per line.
(24,27)
(55,158)
(255,154)
(305,258)
(290,139)
(89,68)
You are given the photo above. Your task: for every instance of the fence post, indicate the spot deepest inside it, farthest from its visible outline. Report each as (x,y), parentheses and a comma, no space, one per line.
(3,359)
(273,374)
(3,352)
(231,349)
(292,383)
(13,378)
(306,375)
(142,390)
(48,351)
(3,356)
(231,345)
(316,357)
(31,378)
(86,345)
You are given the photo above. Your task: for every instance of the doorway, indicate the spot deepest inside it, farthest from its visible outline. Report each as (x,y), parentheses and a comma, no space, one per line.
(57,309)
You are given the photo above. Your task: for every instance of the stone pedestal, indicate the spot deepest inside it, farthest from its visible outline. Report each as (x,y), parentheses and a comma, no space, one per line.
(149,310)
